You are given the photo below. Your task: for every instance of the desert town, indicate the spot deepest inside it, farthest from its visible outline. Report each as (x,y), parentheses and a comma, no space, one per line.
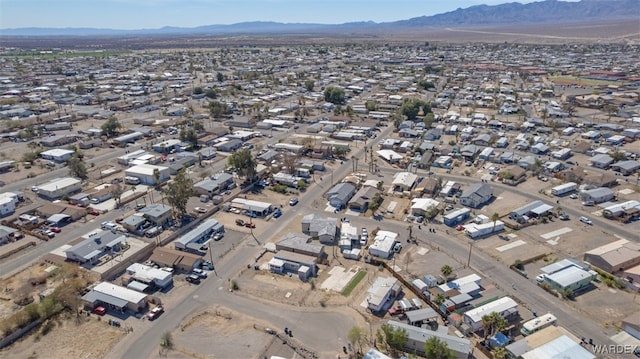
(320,202)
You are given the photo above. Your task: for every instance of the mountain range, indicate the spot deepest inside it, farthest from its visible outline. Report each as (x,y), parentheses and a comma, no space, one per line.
(542,12)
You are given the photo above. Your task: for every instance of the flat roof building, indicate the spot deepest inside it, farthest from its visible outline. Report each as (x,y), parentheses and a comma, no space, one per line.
(615,256)
(56,188)
(116,297)
(504,306)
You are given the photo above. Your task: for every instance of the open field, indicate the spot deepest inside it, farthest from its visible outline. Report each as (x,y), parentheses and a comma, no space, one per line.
(67,338)
(623,31)
(573,80)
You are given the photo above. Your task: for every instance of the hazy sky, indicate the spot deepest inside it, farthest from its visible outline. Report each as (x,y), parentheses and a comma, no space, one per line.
(137,14)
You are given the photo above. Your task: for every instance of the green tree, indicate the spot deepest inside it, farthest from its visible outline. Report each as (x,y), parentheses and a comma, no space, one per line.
(218,109)
(439,299)
(211,93)
(427,85)
(375,202)
(189,135)
(394,338)
(198,91)
(243,162)
(500,353)
(617,155)
(110,127)
(178,192)
(446,270)
(411,108)
(428,119)
(334,95)
(219,77)
(339,151)
(358,337)
(434,348)
(77,167)
(371,105)
(309,84)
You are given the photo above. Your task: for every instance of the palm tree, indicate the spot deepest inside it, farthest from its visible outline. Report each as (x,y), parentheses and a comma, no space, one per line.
(439,299)
(446,270)
(495,217)
(410,229)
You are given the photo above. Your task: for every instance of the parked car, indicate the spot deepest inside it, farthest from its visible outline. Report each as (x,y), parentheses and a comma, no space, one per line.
(55,229)
(459,227)
(218,236)
(200,273)
(396,310)
(192,278)
(50,234)
(250,225)
(200,210)
(586,220)
(100,310)
(564,217)
(239,222)
(397,247)
(94,212)
(277,213)
(35,188)
(155,312)
(540,278)
(573,196)
(293,201)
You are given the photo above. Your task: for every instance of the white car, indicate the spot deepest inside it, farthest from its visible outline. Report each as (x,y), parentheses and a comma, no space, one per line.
(573,196)
(200,210)
(540,278)
(586,220)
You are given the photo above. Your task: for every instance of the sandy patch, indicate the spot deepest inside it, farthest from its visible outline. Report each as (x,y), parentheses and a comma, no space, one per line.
(67,339)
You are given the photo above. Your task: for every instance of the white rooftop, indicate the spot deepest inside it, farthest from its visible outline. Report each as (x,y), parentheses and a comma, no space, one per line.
(120,292)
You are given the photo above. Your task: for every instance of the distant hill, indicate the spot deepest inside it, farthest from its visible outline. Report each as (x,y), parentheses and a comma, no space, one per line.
(542,12)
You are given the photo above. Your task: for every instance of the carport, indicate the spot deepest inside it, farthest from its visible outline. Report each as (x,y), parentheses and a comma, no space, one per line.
(137,286)
(420,315)
(59,219)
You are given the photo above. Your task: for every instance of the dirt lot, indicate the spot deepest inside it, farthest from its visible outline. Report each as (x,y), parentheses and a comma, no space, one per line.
(18,286)
(67,339)
(237,336)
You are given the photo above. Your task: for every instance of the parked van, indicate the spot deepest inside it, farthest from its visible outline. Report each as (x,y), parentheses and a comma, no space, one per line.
(109,226)
(153,231)
(132,180)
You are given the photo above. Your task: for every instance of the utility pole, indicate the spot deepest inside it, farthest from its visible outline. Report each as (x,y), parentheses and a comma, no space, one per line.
(470,248)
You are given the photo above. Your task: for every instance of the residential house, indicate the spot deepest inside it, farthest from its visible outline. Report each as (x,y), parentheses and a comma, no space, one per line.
(340,194)
(320,228)
(302,244)
(404,181)
(601,161)
(477,195)
(417,337)
(361,200)
(627,167)
(597,195)
(157,213)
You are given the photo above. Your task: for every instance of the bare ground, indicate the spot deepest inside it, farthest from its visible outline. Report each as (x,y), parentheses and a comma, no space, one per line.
(67,339)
